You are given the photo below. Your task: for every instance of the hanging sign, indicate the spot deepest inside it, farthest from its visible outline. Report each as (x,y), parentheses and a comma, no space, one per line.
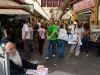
(49,3)
(55,3)
(84,4)
(43,3)
(61,3)
(29,7)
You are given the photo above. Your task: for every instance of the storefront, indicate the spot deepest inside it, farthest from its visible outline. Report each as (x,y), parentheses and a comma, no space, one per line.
(86,10)
(99,13)
(11,9)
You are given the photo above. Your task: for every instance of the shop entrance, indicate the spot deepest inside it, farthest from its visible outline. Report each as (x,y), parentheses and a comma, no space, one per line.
(84,17)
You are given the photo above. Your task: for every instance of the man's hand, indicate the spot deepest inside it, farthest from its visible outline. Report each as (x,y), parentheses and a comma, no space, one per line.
(41,68)
(48,38)
(24,38)
(76,33)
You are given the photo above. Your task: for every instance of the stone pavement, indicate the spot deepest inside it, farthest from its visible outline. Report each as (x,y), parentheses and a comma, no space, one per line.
(88,64)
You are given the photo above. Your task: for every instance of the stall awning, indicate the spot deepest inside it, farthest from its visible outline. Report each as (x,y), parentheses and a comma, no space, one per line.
(13,11)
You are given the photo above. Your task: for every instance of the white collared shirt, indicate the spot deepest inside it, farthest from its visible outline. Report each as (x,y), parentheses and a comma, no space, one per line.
(25,28)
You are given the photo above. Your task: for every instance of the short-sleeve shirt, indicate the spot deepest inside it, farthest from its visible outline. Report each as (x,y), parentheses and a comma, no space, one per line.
(36,27)
(31,33)
(51,29)
(86,33)
(41,32)
(24,29)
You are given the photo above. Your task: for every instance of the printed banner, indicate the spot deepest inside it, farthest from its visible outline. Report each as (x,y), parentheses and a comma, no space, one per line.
(43,3)
(49,3)
(29,7)
(55,3)
(61,3)
(83,5)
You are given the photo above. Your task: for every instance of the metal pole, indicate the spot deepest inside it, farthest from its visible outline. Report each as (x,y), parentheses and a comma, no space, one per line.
(7,65)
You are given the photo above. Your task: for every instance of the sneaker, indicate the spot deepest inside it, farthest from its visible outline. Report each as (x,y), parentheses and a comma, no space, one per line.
(53,55)
(47,58)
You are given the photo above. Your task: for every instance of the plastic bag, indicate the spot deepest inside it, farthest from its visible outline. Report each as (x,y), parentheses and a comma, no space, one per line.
(35,72)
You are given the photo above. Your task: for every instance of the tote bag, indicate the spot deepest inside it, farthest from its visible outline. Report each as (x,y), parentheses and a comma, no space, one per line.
(74,39)
(63,36)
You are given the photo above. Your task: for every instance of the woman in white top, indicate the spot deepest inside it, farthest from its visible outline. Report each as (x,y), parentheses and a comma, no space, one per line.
(77,29)
(62,38)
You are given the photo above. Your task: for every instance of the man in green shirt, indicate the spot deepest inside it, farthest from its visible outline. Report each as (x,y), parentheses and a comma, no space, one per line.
(51,38)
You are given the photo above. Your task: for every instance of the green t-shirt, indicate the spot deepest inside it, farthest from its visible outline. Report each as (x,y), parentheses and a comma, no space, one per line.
(51,29)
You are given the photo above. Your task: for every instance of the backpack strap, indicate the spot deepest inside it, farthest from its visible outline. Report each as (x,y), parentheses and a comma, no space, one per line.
(74,27)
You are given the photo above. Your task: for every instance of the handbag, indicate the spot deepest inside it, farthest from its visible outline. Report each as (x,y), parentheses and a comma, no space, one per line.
(39,37)
(98,40)
(63,36)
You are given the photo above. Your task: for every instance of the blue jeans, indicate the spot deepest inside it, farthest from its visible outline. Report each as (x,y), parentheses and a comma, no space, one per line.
(49,43)
(85,41)
(61,44)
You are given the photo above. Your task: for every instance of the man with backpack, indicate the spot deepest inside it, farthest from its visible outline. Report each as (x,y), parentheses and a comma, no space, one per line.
(35,34)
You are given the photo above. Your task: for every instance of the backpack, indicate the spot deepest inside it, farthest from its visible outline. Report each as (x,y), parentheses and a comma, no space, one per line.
(36,27)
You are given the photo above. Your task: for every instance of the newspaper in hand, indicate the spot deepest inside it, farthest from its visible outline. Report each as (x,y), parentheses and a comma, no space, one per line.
(35,72)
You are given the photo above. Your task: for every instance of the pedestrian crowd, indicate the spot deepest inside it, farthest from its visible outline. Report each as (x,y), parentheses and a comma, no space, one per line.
(54,33)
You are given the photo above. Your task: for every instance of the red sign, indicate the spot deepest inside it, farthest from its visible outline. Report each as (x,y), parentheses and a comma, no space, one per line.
(49,3)
(43,3)
(61,3)
(83,5)
(55,3)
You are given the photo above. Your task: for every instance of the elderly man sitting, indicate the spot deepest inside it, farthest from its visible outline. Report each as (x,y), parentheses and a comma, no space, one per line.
(17,64)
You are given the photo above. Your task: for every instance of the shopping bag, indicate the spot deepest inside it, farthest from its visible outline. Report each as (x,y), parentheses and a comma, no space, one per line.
(79,41)
(35,72)
(98,40)
(39,37)
(72,39)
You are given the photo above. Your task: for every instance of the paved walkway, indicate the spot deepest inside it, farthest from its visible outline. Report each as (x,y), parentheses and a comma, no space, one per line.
(88,64)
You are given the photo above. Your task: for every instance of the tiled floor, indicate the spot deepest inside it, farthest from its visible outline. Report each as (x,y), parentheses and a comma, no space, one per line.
(88,64)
